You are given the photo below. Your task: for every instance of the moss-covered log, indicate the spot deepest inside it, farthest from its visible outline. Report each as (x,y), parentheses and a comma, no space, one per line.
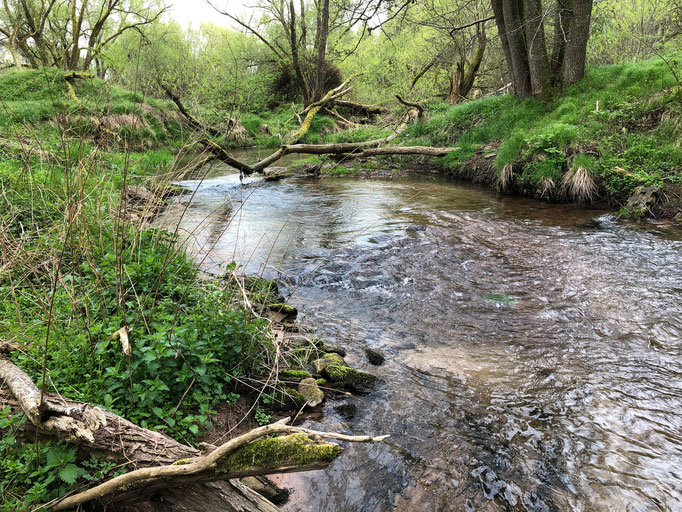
(96,430)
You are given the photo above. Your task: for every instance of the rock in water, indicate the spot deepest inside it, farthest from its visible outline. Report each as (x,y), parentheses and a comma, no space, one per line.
(313,395)
(642,201)
(330,358)
(374,356)
(334,349)
(274,173)
(349,378)
(347,410)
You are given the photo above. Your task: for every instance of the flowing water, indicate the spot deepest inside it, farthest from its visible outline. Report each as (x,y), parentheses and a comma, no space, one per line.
(533,350)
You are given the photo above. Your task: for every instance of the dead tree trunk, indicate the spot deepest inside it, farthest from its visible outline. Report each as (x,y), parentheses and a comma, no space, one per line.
(159,464)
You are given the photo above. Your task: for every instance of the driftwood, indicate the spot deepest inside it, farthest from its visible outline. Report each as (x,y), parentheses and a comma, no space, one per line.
(354,149)
(162,468)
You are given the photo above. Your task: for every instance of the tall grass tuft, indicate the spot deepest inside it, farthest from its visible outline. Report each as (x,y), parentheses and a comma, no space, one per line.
(579,184)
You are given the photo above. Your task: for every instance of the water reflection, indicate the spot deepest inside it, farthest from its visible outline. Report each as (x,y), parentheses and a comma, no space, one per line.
(533,349)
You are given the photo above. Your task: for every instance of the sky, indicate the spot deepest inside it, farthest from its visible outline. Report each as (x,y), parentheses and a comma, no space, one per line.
(196,12)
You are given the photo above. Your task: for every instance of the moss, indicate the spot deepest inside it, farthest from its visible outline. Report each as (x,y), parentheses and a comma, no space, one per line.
(349,377)
(288,399)
(313,394)
(327,359)
(292,450)
(294,375)
(283,308)
(333,358)
(321,382)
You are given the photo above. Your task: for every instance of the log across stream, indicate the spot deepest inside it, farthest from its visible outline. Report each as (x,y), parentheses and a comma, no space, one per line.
(532,349)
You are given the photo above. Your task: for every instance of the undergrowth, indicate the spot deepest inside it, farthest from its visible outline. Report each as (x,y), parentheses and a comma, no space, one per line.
(72,259)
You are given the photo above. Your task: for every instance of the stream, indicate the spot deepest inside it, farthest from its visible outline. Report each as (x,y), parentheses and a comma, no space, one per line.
(532,350)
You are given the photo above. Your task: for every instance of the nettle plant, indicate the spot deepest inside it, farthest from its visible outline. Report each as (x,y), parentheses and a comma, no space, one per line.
(188,337)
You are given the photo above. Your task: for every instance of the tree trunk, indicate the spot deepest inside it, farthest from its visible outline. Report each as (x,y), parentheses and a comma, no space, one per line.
(321,46)
(13,48)
(513,22)
(520,24)
(538,61)
(295,58)
(576,45)
(562,23)
(502,32)
(454,96)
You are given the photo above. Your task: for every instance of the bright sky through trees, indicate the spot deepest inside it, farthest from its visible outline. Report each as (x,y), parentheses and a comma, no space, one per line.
(196,12)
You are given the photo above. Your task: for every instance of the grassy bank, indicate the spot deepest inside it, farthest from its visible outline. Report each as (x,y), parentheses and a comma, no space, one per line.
(619,128)
(76,267)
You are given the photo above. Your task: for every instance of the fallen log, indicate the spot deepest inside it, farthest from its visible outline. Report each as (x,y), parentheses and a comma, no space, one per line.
(359,109)
(357,149)
(160,465)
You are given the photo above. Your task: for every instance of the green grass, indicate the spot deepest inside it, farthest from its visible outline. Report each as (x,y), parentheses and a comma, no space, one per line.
(540,140)
(190,338)
(41,96)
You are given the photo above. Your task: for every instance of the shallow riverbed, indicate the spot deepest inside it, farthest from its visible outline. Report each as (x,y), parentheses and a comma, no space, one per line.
(533,350)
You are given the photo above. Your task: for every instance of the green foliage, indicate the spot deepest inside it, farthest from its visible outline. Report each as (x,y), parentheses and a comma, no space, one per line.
(32,84)
(32,473)
(184,337)
(34,95)
(627,115)
(261,417)
(188,337)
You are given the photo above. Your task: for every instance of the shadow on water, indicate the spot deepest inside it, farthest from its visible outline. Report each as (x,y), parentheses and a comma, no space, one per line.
(533,350)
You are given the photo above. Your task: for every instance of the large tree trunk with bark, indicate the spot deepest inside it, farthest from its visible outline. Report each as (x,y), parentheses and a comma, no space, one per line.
(321,36)
(534,70)
(576,42)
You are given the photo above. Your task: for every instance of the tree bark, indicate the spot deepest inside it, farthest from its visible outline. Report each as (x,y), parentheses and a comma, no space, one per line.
(538,61)
(516,40)
(464,77)
(321,45)
(520,24)
(502,32)
(295,58)
(576,44)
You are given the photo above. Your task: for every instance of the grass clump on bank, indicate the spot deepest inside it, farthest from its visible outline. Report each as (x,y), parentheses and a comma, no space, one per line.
(619,127)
